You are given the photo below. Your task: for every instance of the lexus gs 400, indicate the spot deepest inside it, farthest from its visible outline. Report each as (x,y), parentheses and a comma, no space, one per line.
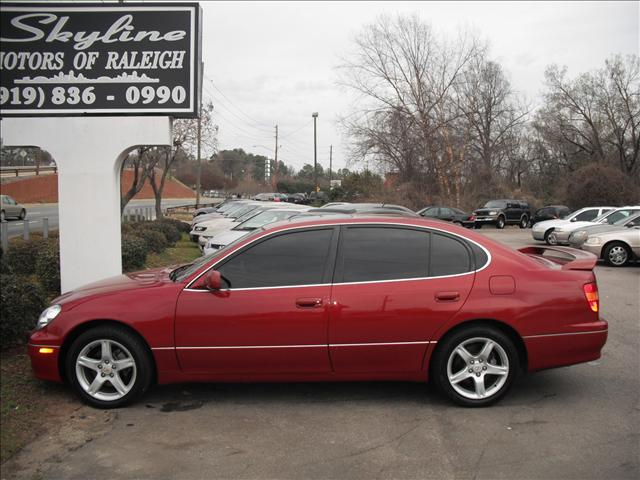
(320,299)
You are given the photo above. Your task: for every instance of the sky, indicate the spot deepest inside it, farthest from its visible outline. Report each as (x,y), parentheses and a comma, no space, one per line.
(275,63)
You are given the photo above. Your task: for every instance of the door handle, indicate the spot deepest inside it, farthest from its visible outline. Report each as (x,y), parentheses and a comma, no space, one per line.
(308,302)
(448,296)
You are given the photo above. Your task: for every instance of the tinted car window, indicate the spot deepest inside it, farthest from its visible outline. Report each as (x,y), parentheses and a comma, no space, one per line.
(378,253)
(619,215)
(448,256)
(586,216)
(431,212)
(297,258)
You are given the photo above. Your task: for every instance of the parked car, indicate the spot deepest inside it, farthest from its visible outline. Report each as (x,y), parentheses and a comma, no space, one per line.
(9,208)
(503,212)
(298,198)
(560,235)
(578,237)
(542,230)
(616,247)
(549,212)
(448,214)
(265,217)
(292,303)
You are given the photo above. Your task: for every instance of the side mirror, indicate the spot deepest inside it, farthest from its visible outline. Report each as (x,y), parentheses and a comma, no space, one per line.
(213,281)
(574,219)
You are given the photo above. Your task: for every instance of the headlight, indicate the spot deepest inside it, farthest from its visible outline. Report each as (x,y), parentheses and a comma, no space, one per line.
(593,241)
(48,315)
(200,229)
(493,212)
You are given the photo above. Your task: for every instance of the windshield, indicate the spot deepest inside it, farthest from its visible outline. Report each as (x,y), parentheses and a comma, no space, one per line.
(496,204)
(618,215)
(238,213)
(250,214)
(264,218)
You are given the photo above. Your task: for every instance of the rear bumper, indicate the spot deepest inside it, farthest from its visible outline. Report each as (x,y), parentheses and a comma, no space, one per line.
(45,365)
(561,349)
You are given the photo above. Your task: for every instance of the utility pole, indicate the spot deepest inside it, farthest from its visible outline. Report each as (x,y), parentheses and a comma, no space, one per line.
(275,174)
(330,162)
(315,153)
(199,168)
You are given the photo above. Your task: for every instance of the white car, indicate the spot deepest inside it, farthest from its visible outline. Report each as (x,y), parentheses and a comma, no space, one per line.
(560,235)
(542,230)
(265,217)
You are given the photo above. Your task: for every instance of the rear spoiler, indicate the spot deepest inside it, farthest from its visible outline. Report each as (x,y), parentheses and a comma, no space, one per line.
(568,258)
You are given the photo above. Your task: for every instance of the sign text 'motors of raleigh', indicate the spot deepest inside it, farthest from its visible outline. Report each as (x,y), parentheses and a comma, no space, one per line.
(133,59)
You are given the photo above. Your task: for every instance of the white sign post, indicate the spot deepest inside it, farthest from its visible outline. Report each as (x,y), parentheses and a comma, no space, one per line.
(88,152)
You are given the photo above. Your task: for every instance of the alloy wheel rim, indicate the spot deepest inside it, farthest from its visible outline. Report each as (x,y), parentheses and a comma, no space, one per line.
(618,255)
(478,368)
(106,370)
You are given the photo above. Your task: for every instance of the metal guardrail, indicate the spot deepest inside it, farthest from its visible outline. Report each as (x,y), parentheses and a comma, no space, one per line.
(24,171)
(188,208)
(26,231)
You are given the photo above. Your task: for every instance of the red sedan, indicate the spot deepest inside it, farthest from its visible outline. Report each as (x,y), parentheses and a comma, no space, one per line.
(352,298)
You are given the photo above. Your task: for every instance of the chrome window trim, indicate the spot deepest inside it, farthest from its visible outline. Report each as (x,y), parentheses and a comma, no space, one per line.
(421,227)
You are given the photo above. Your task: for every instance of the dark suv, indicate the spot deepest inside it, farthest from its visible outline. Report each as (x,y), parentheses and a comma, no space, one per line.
(503,212)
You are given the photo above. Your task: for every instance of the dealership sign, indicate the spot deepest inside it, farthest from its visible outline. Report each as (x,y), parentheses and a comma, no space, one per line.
(100,59)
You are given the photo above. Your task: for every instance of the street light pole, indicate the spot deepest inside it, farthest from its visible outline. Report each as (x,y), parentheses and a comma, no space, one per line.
(315,153)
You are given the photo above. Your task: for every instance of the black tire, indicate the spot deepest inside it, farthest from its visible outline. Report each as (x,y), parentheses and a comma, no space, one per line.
(477,226)
(616,254)
(3,217)
(524,222)
(500,223)
(23,214)
(546,236)
(139,380)
(445,350)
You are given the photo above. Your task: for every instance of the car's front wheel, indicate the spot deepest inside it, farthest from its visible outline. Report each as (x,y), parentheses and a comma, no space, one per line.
(500,223)
(475,367)
(108,366)
(23,214)
(616,254)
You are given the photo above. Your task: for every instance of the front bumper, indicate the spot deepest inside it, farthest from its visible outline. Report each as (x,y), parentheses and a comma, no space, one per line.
(562,238)
(595,249)
(486,219)
(45,365)
(537,234)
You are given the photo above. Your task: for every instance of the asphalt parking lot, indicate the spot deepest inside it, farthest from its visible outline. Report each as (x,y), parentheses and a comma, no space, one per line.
(575,422)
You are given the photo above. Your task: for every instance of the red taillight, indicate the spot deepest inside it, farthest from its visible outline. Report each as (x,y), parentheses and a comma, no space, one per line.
(591,292)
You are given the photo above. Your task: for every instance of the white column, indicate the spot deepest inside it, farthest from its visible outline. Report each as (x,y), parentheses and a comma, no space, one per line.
(88,152)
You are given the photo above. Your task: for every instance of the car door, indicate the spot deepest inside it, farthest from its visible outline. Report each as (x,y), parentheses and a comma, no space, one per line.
(446,214)
(273,316)
(394,286)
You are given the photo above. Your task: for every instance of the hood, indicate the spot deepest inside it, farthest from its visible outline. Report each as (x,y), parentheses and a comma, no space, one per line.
(556,222)
(573,226)
(485,211)
(130,281)
(598,228)
(226,238)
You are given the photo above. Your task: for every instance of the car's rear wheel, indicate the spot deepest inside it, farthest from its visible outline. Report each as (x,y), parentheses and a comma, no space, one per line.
(500,223)
(524,222)
(616,254)
(475,367)
(108,367)
(477,226)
